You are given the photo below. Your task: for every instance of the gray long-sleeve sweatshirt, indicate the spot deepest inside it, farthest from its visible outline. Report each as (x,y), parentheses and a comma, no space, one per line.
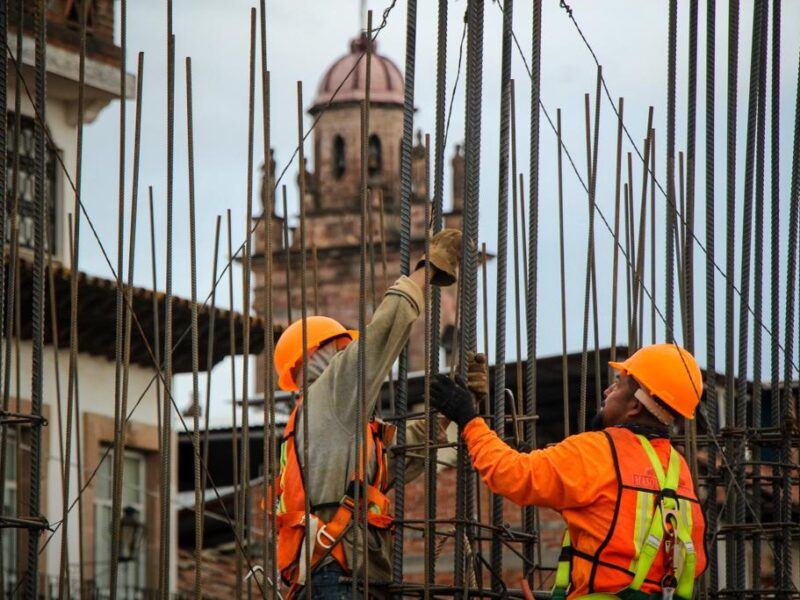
(333,409)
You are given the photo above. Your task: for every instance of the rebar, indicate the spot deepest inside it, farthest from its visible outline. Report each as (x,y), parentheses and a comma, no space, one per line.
(401,396)
(500,304)
(615,264)
(564,362)
(37,315)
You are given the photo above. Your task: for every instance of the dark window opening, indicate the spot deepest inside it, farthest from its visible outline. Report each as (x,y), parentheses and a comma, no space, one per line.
(374,156)
(339,162)
(26,182)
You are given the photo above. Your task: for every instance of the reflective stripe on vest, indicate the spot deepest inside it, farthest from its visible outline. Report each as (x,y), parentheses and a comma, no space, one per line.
(326,537)
(648,535)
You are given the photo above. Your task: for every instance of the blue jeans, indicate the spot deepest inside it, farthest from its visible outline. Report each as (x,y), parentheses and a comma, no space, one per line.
(326,584)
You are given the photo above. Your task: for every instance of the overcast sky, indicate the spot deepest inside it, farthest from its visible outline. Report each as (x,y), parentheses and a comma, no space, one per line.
(305,36)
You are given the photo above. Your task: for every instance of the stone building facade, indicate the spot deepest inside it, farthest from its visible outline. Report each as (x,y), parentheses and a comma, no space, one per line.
(333,200)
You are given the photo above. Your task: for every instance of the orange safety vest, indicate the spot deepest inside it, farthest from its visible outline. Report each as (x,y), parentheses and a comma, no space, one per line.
(326,537)
(612,565)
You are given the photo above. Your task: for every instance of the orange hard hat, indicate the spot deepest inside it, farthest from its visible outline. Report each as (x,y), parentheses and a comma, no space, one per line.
(289,349)
(669,373)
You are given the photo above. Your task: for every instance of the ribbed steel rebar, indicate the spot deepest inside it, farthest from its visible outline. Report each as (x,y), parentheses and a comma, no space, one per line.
(691,137)
(119,416)
(209,368)
(711,507)
(730,227)
(564,361)
(237,508)
(362,427)
(775,323)
(156,329)
(786,397)
(500,303)
(741,421)
(669,272)
(304,327)
(758,253)
(468,273)
(435,321)
(247,505)
(37,315)
(269,562)
(165,487)
(615,262)
(63,572)
(197,453)
(401,398)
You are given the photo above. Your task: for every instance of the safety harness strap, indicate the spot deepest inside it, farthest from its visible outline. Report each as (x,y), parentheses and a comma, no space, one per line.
(667,506)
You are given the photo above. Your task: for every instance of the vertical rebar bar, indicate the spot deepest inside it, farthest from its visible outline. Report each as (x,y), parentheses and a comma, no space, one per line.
(615,264)
(500,305)
(166,420)
(669,268)
(237,509)
(564,361)
(63,572)
(710,384)
(786,398)
(119,416)
(468,287)
(247,508)
(401,399)
(37,316)
(303,315)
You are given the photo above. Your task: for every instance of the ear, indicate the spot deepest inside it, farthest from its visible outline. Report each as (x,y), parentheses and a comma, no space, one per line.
(633,407)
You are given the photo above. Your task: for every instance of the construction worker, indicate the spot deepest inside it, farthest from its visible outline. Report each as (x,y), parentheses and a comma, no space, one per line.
(634,526)
(334,470)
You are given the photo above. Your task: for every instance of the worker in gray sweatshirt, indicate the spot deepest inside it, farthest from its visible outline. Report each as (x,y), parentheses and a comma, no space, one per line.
(334,469)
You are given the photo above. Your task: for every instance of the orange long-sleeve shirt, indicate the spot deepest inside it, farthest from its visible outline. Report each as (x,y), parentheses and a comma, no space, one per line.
(577,478)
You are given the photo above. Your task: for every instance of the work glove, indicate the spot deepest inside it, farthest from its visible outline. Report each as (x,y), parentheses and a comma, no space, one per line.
(477,375)
(452,400)
(444,254)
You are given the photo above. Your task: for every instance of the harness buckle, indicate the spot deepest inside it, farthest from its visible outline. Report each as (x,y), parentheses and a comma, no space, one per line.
(321,531)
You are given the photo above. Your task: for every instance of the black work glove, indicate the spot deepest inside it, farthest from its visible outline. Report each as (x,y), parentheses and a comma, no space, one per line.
(452,400)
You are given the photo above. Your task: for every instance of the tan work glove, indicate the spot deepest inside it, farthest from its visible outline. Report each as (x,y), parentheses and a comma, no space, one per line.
(478,375)
(444,253)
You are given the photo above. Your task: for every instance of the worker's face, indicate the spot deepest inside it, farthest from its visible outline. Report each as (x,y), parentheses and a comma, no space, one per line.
(618,401)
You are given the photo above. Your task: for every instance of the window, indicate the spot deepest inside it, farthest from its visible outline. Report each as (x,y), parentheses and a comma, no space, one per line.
(339,162)
(131,575)
(374,156)
(26,184)
(9,536)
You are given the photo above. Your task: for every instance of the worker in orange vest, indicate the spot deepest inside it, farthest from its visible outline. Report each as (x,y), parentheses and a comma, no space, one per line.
(334,471)
(634,526)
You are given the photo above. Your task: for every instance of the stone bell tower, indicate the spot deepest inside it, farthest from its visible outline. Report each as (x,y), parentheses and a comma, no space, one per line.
(332,200)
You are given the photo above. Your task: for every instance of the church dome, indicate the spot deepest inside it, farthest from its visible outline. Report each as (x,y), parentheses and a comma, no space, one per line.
(386,85)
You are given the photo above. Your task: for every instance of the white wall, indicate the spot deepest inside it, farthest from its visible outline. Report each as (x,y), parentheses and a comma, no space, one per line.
(96,395)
